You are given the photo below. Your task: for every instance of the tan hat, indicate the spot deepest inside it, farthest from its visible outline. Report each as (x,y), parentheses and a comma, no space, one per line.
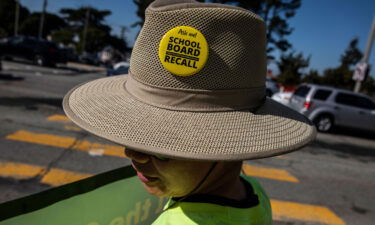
(195,89)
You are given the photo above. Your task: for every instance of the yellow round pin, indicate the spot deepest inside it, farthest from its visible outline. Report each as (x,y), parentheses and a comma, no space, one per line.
(183,51)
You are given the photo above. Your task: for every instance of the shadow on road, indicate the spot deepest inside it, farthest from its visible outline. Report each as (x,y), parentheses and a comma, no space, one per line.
(342,131)
(12,189)
(30,103)
(351,149)
(10,77)
(69,70)
(72,72)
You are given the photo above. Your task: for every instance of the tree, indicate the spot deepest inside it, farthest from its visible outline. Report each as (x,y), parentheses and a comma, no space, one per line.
(341,76)
(7,16)
(352,54)
(141,7)
(52,22)
(97,34)
(275,14)
(312,77)
(369,86)
(77,17)
(290,66)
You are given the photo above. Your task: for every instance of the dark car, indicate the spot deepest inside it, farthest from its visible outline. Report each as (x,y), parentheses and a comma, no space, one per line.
(89,58)
(118,69)
(39,51)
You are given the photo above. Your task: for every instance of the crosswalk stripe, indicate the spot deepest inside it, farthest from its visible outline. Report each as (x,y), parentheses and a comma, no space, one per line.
(59,118)
(62,118)
(117,151)
(275,174)
(66,142)
(286,211)
(72,128)
(282,210)
(54,177)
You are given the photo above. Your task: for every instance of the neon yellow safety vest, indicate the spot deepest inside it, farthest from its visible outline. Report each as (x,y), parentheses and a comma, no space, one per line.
(189,213)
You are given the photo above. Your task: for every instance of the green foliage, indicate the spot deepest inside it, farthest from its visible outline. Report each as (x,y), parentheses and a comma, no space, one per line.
(141,7)
(275,14)
(312,77)
(98,34)
(30,26)
(352,54)
(340,77)
(95,39)
(369,86)
(64,36)
(77,17)
(3,33)
(7,15)
(290,66)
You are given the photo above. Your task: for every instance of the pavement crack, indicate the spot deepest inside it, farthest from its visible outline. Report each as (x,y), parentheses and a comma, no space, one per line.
(359,210)
(66,151)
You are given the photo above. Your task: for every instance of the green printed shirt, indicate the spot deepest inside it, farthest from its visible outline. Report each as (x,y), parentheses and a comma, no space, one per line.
(214,210)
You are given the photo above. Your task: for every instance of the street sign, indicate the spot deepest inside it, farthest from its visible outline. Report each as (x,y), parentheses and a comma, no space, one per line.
(360,71)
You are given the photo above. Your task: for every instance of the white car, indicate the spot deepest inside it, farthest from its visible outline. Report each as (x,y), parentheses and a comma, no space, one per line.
(282,97)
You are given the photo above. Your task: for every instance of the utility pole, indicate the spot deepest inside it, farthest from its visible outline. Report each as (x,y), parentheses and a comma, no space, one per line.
(122,35)
(17,18)
(85,29)
(41,24)
(366,56)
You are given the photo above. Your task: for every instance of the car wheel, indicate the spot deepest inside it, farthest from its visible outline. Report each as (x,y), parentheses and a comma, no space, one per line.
(324,123)
(39,60)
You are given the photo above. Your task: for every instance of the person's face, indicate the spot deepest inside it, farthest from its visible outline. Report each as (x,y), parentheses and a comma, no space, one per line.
(170,177)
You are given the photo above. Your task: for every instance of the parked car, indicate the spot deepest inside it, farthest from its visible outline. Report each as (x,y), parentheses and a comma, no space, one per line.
(39,51)
(327,107)
(89,58)
(118,69)
(282,97)
(271,87)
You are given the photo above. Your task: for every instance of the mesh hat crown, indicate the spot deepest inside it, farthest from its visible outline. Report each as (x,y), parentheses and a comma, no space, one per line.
(195,89)
(236,40)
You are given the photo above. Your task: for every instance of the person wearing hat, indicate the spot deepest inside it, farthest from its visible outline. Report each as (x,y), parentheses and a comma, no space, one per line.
(191,109)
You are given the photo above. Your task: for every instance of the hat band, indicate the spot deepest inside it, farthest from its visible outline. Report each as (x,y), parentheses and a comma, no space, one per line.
(195,100)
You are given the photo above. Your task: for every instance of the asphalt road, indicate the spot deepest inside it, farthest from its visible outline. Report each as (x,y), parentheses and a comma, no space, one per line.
(331,181)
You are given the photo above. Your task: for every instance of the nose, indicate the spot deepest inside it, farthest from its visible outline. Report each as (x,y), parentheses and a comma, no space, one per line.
(137,156)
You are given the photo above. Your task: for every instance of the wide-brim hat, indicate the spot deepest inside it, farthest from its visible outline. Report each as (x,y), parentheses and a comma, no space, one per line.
(195,89)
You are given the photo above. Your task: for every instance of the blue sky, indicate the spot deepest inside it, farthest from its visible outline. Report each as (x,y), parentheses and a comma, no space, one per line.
(322,28)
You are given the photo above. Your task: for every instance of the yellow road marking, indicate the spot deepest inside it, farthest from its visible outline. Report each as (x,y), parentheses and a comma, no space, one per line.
(269,173)
(282,210)
(66,142)
(72,128)
(54,177)
(285,211)
(58,117)
(117,151)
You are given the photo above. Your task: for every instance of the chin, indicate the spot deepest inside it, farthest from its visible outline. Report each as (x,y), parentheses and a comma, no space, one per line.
(157,191)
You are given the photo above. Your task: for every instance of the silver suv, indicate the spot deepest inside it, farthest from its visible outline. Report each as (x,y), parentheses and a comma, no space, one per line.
(327,106)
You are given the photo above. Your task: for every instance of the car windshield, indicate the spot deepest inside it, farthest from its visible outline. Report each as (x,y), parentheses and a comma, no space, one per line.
(302,91)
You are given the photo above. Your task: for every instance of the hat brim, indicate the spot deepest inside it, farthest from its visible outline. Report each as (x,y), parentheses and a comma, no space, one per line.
(104,108)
